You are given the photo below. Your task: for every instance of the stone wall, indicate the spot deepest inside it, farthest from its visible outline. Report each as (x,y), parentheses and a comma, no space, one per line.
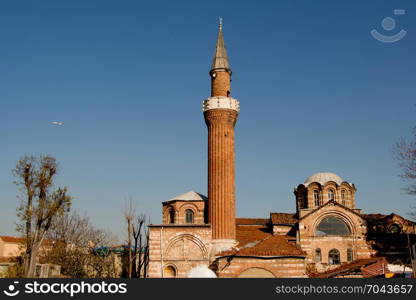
(178,248)
(257,267)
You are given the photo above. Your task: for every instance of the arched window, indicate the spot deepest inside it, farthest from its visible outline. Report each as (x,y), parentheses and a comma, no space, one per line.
(256,273)
(344,197)
(169,272)
(333,257)
(171,216)
(189,216)
(318,255)
(331,195)
(316,197)
(302,200)
(395,228)
(350,256)
(332,226)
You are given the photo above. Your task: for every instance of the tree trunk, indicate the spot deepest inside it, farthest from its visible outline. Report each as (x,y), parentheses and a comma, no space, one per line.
(129,245)
(32,261)
(29,240)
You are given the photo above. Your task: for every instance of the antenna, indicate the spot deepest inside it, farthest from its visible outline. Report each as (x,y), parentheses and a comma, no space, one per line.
(220,23)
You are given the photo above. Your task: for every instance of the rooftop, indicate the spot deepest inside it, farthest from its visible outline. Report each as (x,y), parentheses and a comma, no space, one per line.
(189,196)
(283,218)
(324,177)
(259,241)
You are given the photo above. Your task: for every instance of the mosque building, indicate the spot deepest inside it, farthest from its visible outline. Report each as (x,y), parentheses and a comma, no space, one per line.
(327,235)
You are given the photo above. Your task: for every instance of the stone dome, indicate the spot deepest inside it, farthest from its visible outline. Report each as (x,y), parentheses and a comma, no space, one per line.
(201,271)
(323,177)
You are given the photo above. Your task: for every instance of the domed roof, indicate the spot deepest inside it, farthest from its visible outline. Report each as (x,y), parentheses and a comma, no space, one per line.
(324,177)
(201,271)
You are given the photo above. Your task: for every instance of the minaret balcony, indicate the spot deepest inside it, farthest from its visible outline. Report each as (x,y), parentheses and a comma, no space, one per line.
(220,102)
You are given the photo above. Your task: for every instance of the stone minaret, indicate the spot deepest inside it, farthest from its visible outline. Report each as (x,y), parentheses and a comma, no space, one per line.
(221,112)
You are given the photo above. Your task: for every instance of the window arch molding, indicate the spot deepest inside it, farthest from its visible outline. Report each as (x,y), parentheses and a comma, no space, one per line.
(313,189)
(188,206)
(334,257)
(395,228)
(257,272)
(332,226)
(170,214)
(191,237)
(185,205)
(348,221)
(330,185)
(189,216)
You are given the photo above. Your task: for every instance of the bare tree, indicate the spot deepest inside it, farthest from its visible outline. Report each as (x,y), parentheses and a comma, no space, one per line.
(80,249)
(137,251)
(405,153)
(141,247)
(40,205)
(129,214)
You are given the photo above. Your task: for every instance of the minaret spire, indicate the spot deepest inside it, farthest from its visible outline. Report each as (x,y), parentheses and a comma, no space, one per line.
(220,61)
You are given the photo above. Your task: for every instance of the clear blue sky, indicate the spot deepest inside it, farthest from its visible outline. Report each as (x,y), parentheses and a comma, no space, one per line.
(317,93)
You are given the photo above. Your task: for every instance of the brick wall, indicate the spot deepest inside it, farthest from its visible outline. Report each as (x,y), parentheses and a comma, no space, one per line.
(179,247)
(279,267)
(309,241)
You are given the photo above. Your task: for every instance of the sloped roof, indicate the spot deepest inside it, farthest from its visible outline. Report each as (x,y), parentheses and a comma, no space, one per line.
(251,221)
(381,218)
(12,239)
(259,241)
(189,196)
(283,218)
(350,267)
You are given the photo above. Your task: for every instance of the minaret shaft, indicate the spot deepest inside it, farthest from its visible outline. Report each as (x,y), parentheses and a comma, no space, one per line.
(221,84)
(221,172)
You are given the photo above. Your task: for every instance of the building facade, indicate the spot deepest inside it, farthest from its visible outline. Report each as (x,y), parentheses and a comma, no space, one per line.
(325,232)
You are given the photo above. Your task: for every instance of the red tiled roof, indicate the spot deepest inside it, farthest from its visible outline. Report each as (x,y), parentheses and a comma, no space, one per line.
(11,239)
(251,221)
(376,269)
(283,218)
(258,241)
(380,218)
(357,265)
(374,216)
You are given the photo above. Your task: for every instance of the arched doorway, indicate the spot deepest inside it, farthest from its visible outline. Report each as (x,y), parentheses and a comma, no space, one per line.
(256,273)
(169,272)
